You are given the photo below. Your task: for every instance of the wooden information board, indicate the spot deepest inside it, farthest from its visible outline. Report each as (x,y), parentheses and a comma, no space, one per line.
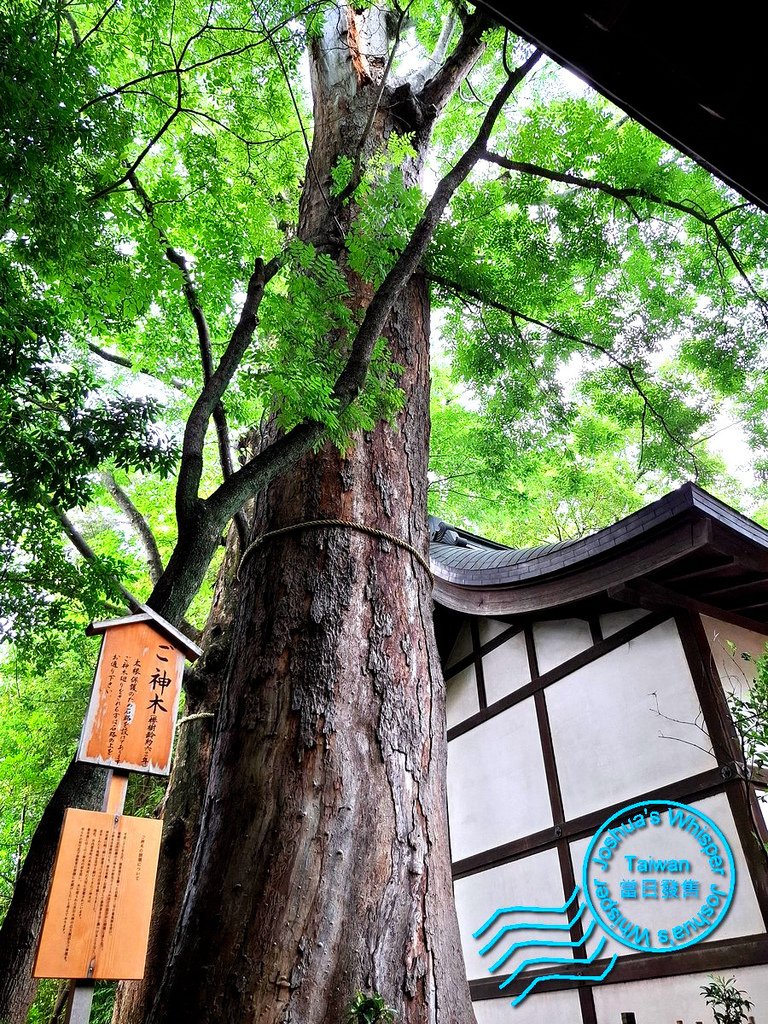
(98,913)
(134,702)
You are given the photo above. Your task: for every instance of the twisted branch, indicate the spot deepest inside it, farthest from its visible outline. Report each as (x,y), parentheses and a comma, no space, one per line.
(139,524)
(282,453)
(175,257)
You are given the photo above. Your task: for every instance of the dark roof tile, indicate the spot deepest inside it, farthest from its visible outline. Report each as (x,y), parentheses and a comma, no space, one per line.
(479,564)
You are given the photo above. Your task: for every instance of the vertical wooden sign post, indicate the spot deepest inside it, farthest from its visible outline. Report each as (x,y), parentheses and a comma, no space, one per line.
(97,917)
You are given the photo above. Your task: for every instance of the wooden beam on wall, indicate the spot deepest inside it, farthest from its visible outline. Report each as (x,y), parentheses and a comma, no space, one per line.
(727,746)
(724,955)
(654,596)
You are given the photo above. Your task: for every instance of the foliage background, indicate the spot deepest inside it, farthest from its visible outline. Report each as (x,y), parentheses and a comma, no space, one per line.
(588,345)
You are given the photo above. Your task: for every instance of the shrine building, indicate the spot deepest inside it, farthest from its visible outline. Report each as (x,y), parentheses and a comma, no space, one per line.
(584,677)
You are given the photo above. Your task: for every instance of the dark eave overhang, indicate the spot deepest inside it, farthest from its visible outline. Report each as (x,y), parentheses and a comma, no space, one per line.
(687,544)
(692,76)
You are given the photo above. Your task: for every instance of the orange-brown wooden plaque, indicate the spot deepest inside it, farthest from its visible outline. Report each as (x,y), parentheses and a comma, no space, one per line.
(97,918)
(134,702)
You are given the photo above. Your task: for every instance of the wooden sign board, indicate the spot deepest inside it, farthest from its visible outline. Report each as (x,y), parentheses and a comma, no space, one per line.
(132,712)
(97,918)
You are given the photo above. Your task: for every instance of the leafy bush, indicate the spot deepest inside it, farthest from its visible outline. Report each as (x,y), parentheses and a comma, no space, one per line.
(369,1009)
(729,1004)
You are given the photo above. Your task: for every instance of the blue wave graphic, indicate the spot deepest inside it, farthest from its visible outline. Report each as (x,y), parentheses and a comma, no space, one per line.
(541,942)
(525,910)
(547,943)
(530,926)
(567,977)
(553,960)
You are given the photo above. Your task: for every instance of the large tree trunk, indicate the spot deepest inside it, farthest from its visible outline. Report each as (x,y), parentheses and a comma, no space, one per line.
(322,866)
(82,786)
(336,717)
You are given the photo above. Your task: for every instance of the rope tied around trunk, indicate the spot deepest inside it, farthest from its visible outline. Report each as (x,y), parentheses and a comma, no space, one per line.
(194,718)
(338,524)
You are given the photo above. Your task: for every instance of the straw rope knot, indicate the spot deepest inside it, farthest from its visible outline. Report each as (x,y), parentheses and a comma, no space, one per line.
(338,524)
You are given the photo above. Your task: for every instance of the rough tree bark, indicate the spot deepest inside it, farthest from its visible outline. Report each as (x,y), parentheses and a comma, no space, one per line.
(322,864)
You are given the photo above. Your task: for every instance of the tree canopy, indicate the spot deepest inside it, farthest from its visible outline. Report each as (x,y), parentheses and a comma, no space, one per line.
(602,294)
(599,304)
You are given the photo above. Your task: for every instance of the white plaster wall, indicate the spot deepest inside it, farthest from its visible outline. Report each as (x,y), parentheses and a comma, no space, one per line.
(609,740)
(461,696)
(612,622)
(490,628)
(462,647)
(529,881)
(539,1008)
(743,917)
(753,981)
(506,669)
(497,788)
(667,1000)
(657,1001)
(736,673)
(559,640)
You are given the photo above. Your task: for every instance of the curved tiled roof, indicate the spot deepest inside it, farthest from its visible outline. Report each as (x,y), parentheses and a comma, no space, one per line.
(481,565)
(452,562)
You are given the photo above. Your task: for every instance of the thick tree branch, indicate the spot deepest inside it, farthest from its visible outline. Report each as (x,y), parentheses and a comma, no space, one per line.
(624,195)
(261,470)
(357,171)
(464,292)
(435,60)
(84,548)
(191,469)
(177,258)
(73,26)
(438,89)
(111,357)
(352,377)
(139,524)
(201,521)
(282,453)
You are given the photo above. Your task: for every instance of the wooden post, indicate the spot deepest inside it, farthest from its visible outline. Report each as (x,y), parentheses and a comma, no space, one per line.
(81,992)
(115,790)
